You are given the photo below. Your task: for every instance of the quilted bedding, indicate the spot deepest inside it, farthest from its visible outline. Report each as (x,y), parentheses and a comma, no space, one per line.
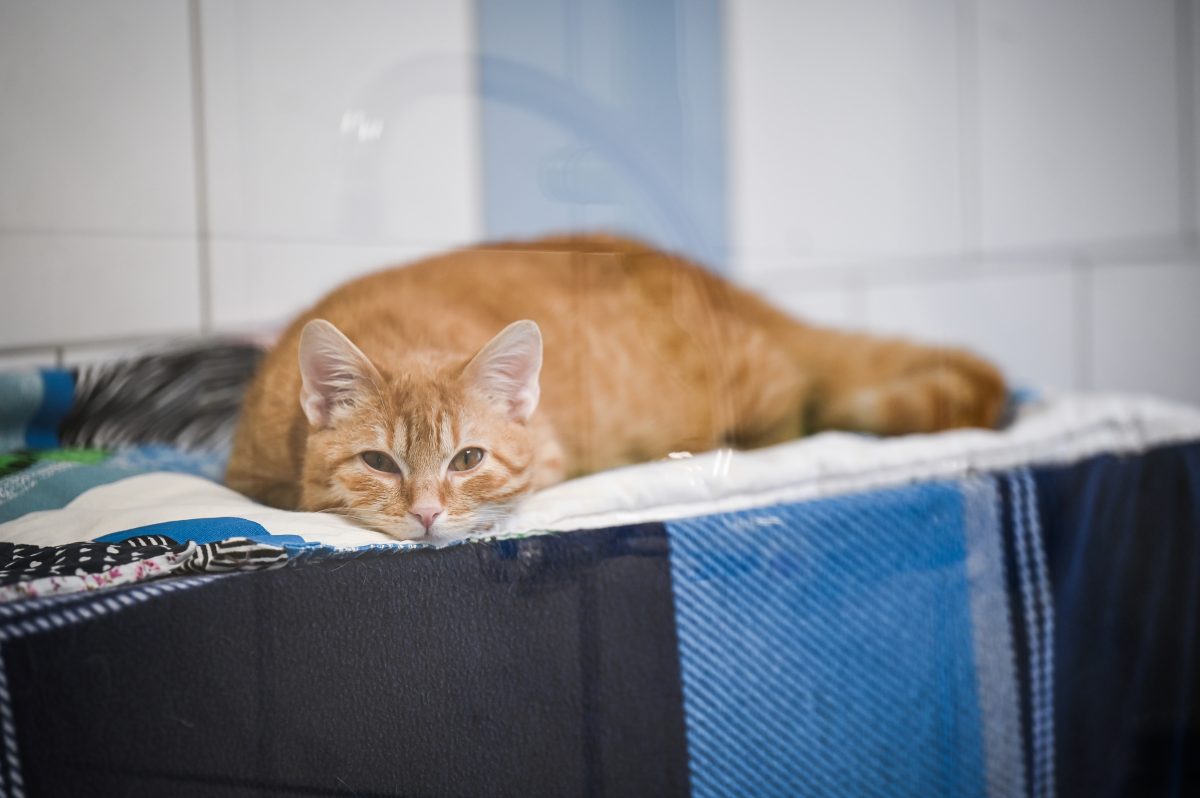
(972,613)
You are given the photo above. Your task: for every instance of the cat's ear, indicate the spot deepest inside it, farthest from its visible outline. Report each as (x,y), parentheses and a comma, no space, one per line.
(507,369)
(332,371)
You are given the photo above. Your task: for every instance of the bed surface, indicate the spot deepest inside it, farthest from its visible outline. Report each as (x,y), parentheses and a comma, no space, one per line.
(1013,612)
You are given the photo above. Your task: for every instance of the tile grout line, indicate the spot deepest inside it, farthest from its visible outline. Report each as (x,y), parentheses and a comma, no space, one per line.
(936,266)
(1185,70)
(475,44)
(200,161)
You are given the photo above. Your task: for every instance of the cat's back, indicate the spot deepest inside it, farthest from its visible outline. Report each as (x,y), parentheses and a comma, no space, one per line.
(457,301)
(495,281)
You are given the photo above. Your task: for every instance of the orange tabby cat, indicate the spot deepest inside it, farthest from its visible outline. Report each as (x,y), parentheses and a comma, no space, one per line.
(419,400)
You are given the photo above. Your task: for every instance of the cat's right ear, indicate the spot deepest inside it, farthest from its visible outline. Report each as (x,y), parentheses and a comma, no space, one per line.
(332,371)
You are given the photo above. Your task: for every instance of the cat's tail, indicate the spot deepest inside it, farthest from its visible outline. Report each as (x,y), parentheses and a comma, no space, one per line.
(842,380)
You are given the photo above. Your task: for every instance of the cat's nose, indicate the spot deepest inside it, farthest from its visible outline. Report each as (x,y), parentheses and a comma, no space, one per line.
(427,514)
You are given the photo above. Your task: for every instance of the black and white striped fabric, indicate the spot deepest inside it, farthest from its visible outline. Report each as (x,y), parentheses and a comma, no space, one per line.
(234,554)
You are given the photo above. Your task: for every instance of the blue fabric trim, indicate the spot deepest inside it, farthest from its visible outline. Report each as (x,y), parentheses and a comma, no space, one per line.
(209,530)
(20,397)
(57,396)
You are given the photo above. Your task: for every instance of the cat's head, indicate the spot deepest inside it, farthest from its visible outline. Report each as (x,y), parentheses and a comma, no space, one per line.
(438,447)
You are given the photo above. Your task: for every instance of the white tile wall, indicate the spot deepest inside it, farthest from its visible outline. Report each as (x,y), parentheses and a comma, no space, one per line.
(1145,324)
(257,285)
(353,122)
(963,164)
(1077,121)
(97,132)
(1025,321)
(71,288)
(337,142)
(1190,51)
(843,128)
(336,137)
(97,198)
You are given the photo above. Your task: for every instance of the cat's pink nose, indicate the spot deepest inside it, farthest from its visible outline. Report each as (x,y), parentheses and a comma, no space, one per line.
(427,514)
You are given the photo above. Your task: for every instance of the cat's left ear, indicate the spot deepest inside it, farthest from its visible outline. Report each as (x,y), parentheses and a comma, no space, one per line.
(507,369)
(332,371)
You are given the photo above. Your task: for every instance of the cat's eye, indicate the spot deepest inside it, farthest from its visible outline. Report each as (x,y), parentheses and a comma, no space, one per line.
(380,462)
(467,459)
